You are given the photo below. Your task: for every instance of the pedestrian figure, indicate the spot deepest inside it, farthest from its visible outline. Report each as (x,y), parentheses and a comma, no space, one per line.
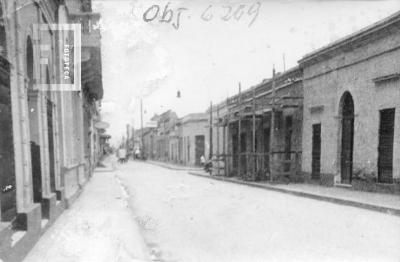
(121,155)
(137,153)
(202,160)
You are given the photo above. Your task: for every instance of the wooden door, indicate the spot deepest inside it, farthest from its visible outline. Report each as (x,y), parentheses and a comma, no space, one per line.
(385,148)
(199,149)
(7,170)
(316,152)
(267,138)
(243,156)
(346,162)
(288,142)
(235,150)
(50,135)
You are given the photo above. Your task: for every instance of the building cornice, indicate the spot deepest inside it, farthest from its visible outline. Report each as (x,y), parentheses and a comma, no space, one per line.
(48,10)
(357,39)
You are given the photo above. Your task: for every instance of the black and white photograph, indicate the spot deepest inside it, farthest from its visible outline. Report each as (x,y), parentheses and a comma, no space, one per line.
(199,130)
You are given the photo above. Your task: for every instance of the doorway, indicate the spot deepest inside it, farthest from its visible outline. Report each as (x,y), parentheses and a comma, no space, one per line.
(8,197)
(243,154)
(346,159)
(385,148)
(50,133)
(288,143)
(49,107)
(199,149)
(34,126)
(316,152)
(8,202)
(267,138)
(235,150)
(188,149)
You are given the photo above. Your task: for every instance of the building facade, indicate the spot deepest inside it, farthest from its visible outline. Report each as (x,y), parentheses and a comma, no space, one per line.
(42,159)
(351,101)
(177,140)
(166,127)
(261,129)
(149,138)
(194,139)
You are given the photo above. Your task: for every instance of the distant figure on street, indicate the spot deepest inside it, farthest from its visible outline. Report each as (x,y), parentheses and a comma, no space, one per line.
(121,155)
(207,165)
(202,160)
(137,153)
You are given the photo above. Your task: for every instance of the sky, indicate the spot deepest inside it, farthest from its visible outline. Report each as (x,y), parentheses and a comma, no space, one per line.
(203,49)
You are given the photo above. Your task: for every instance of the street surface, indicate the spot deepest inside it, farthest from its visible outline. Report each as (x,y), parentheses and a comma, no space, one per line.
(188,218)
(143,212)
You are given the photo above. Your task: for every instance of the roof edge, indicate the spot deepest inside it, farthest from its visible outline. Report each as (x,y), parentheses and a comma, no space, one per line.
(351,38)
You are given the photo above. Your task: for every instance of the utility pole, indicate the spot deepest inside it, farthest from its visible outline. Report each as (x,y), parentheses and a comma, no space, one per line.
(127,138)
(272,128)
(211,133)
(254,162)
(141,125)
(239,129)
(225,138)
(133,140)
(284,62)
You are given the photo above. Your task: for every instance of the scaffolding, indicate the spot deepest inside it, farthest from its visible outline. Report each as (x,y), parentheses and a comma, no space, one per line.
(243,157)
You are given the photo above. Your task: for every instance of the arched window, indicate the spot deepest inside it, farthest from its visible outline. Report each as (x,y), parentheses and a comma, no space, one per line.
(29,61)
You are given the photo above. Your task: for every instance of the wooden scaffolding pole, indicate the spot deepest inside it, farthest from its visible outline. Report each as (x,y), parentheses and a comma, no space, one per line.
(141,128)
(211,133)
(272,130)
(254,162)
(225,138)
(239,129)
(218,156)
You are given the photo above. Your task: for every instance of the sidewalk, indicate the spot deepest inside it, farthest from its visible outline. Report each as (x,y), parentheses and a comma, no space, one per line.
(99,226)
(386,203)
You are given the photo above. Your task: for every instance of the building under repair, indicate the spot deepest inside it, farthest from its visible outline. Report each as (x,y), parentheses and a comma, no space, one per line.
(257,133)
(330,121)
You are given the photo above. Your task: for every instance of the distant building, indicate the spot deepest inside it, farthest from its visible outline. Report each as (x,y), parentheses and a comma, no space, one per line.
(166,125)
(263,129)
(149,138)
(331,120)
(194,138)
(174,143)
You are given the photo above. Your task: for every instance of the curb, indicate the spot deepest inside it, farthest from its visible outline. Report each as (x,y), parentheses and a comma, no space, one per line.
(339,201)
(188,169)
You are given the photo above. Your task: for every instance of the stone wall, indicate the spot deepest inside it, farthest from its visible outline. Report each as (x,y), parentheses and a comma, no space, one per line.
(190,130)
(352,70)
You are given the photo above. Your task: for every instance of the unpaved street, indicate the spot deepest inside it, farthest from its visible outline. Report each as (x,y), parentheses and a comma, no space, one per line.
(189,218)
